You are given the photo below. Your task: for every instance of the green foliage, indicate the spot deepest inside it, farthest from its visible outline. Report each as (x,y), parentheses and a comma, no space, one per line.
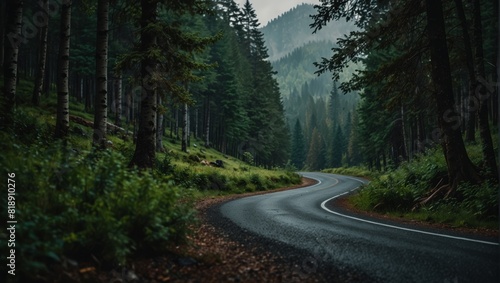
(480,200)
(298,146)
(30,128)
(352,171)
(90,205)
(401,191)
(248,158)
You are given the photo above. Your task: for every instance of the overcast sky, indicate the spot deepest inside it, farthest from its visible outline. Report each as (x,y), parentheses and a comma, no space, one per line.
(269,9)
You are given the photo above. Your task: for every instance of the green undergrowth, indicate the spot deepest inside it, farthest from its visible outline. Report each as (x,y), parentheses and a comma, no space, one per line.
(76,204)
(353,171)
(401,192)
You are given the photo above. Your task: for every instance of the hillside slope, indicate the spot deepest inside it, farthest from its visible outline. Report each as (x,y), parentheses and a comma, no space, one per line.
(291,30)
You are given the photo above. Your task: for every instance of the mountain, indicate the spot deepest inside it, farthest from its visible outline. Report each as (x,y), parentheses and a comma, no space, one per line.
(297,68)
(293,48)
(291,30)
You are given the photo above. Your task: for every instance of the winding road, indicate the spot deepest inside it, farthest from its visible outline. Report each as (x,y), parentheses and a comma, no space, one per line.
(307,219)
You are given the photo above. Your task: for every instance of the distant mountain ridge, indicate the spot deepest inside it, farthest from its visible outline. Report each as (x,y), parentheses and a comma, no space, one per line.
(296,68)
(291,30)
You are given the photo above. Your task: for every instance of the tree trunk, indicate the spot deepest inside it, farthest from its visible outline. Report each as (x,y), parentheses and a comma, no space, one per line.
(48,71)
(460,168)
(88,100)
(145,150)
(128,106)
(42,59)
(494,101)
(101,98)
(184,127)
(196,123)
(159,129)
(62,120)
(207,124)
(2,33)
(118,99)
(176,120)
(469,60)
(12,42)
(482,94)
(188,127)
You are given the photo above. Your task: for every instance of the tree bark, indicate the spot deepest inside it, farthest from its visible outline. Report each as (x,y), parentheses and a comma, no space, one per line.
(159,127)
(101,103)
(42,58)
(118,99)
(469,60)
(2,33)
(184,127)
(460,168)
(207,124)
(62,119)
(495,102)
(13,39)
(482,93)
(145,150)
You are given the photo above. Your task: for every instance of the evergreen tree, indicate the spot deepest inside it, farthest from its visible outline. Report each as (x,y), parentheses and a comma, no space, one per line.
(337,148)
(316,156)
(144,155)
(460,168)
(101,103)
(268,137)
(298,146)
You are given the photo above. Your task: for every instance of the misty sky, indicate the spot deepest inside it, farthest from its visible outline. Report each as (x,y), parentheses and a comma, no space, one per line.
(269,9)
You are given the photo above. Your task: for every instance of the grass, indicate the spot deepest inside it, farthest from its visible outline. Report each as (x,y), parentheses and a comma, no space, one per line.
(399,193)
(353,171)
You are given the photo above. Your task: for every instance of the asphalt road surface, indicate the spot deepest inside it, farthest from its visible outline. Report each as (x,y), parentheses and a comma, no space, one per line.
(307,219)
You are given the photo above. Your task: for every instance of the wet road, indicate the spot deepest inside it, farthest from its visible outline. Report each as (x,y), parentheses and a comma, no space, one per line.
(307,219)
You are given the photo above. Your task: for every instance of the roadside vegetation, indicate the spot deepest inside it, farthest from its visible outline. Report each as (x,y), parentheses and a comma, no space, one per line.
(415,191)
(357,171)
(74,203)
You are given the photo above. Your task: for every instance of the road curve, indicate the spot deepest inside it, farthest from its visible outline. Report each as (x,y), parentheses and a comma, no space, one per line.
(306,219)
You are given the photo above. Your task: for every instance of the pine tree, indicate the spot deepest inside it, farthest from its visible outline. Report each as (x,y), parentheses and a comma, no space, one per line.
(268,137)
(298,146)
(101,103)
(460,168)
(337,148)
(316,156)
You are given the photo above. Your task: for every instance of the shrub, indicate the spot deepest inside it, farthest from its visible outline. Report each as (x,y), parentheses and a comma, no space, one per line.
(480,200)
(89,206)
(248,157)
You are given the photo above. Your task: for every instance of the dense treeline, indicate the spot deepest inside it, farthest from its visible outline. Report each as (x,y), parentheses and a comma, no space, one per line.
(429,79)
(177,69)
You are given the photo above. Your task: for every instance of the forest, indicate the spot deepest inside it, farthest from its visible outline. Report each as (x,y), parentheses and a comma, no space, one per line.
(119,117)
(203,90)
